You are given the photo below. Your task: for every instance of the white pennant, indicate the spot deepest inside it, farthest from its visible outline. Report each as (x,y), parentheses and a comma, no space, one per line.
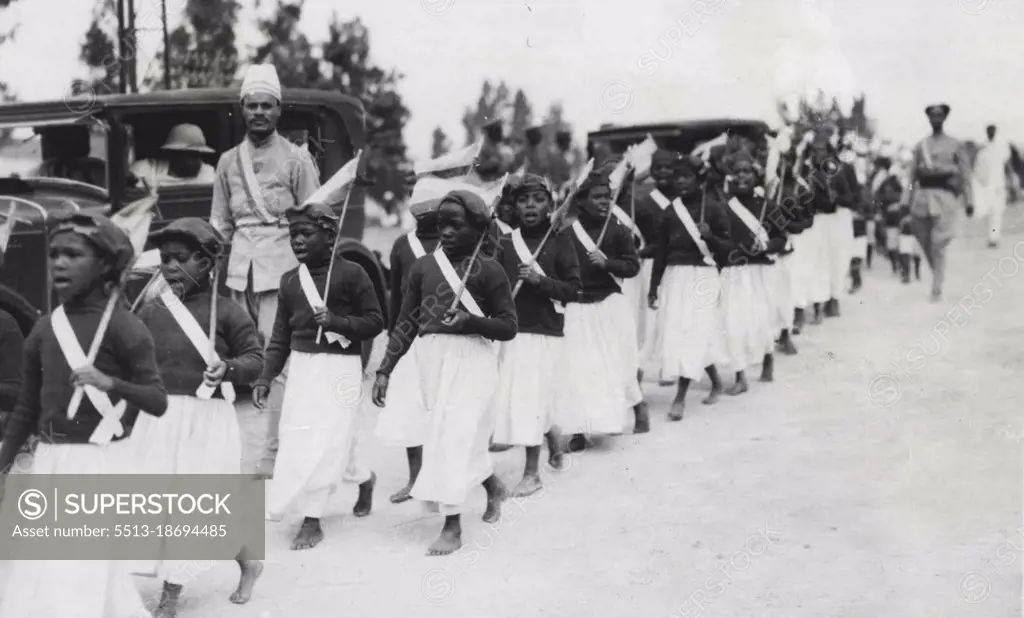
(199,341)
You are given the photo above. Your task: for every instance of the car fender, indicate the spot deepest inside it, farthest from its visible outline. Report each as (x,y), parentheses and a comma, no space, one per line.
(20,309)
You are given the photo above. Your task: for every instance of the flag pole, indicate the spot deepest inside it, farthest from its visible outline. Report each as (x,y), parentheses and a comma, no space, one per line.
(558,214)
(476,252)
(337,243)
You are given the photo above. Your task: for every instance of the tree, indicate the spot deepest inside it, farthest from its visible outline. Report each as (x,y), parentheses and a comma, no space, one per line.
(5,92)
(99,54)
(203,53)
(522,115)
(440,145)
(491,104)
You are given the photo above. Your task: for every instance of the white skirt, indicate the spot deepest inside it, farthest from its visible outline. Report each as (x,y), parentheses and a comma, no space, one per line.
(860,247)
(746,309)
(317,433)
(79,588)
(401,421)
(777,287)
(871,229)
(600,385)
(908,245)
(195,436)
(458,375)
(892,238)
(688,321)
(799,272)
(530,366)
(636,291)
(818,258)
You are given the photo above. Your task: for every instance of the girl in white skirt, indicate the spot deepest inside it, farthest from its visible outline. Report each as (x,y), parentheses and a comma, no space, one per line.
(600,384)
(747,304)
(401,421)
(200,433)
(456,362)
(321,328)
(836,194)
(531,364)
(685,285)
(88,254)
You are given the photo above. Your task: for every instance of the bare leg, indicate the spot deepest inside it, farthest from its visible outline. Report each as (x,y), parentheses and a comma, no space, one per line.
(168,607)
(679,403)
(449,540)
(817,314)
(798,320)
(643,418)
(716,385)
(496,492)
(415,455)
(786,343)
(250,572)
(768,368)
(364,503)
(556,457)
(310,534)
(740,386)
(531,474)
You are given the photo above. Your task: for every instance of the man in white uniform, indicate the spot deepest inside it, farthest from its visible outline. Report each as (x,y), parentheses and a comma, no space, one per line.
(991,171)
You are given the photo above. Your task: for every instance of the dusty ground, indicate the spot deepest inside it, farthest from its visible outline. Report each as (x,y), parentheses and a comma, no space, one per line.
(879,476)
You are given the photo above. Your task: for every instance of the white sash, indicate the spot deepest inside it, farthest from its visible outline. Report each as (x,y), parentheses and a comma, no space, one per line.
(504,227)
(628,222)
(414,243)
(660,199)
(199,341)
(588,244)
(691,229)
(748,219)
(448,271)
(316,302)
(526,258)
(252,185)
(110,426)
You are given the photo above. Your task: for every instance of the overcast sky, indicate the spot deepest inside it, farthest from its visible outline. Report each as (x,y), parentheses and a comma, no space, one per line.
(636,61)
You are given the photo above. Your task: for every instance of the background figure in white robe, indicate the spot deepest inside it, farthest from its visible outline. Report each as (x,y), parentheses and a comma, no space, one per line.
(991,188)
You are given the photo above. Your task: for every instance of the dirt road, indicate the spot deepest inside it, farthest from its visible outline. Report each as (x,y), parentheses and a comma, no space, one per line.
(879,476)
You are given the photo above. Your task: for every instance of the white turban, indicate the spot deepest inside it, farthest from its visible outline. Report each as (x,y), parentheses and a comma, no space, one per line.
(261,79)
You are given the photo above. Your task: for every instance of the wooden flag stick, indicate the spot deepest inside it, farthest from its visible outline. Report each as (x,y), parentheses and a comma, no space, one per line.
(145,290)
(469,269)
(608,217)
(94,347)
(337,243)
(556,216)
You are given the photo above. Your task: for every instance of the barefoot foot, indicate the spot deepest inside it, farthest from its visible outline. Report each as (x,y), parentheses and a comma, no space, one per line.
(737,389)
(402,495)
(310,534)
(527,487)
(365,501)
(557,460)
(494,497)
(712,398)
(449,541)
(168,607)
(578,443)
(643,418)
(251,571)
(498,448)
(676,412)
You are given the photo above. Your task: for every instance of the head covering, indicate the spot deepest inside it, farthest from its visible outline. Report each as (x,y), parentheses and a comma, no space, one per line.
(110,240)
(318,214)
(194,230)
(662,155)
(597,178)
(688,163)
(937,108)
(534,135)
(735,158)
(261,79)
(187,138)
(530,183)
(477,212)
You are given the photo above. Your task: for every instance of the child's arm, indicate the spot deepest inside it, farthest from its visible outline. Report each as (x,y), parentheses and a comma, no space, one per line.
(720,243)
(566,287)
(143,389)
(279,348)
(25,417)
(626,264)
(660,256)
(407,326)
(245,357)
(503,322)
(367,321)
(12,344)
(395,285)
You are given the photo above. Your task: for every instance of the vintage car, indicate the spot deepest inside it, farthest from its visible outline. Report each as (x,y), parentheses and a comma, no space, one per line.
(681,136)
(76,153)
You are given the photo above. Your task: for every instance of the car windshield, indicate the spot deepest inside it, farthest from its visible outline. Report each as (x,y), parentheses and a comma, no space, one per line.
(73,152)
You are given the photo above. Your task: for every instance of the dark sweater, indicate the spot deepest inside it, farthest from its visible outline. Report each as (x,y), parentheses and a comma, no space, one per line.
(648,221)
(12,346)
(181,366)
(352,301)
(740,249)
(833,191)
(126,355)
(675,245)
(618,247)
(402,259)
(535,308)
(428,296)
(796,208)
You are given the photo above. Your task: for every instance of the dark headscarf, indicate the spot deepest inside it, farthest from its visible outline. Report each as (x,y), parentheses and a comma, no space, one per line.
(319,215)
(194,231)
(477,212)
(109,240)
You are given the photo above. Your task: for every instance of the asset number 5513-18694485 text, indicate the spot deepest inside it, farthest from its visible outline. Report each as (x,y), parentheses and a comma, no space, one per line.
(169,531)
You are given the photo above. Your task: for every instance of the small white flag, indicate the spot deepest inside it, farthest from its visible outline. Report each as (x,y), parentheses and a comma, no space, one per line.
(432,189)
(458,163)
(7,227)
(640,155)
(135,219)
(704,150)
(337,187)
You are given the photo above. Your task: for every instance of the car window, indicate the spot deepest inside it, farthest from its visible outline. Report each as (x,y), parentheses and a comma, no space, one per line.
(72,152)
(168,148)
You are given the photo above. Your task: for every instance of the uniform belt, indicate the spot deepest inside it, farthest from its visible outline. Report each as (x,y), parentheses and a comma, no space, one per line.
(282,222)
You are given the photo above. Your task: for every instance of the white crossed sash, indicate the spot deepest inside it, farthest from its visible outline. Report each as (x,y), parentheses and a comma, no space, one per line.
(691,229)
(626,220)
(110,426)
(252,185)
(504,227)
(660,199)
(199,341)
(448,271)
(588,244)
(526,258)
(416,245)
(316,302)
(748,220)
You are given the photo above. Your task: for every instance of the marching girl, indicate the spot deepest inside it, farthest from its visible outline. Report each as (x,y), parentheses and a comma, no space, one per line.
(456,362)
(323,392)
(747,308)
(401,421)
(795,213)
(685,278)
(531,363)
(88,254)
(200,432)
(600,341)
